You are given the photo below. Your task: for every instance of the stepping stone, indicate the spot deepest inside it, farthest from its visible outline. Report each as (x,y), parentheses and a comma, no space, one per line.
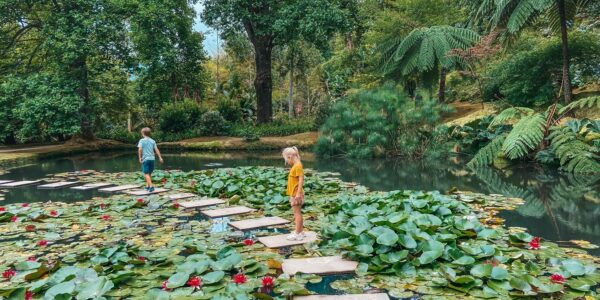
(326,265)
(374,296)
(5,181)
(229,211)
(19,183)
(119,188)
(280,241)
(201,203)
(377,296)
(146,193)
(57,185)
(91,186)
(258,223)
(181,196)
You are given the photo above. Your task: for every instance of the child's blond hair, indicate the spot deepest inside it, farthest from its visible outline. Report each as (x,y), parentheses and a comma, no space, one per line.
(289,152)
(146,131)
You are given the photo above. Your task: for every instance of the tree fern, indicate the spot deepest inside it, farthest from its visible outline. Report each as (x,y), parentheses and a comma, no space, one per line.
(525,136)
(588,102)
(573,154)
(488,153)
(511,115)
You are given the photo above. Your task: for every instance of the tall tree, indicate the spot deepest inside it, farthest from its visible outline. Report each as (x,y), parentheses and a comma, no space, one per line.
(268,23)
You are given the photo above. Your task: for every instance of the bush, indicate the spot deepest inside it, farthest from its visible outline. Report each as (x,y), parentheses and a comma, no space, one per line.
(279,127)
(230,110)
(380,122)
(212,123)
(179,116)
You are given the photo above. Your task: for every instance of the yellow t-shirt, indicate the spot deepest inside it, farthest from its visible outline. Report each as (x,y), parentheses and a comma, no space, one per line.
(294,178)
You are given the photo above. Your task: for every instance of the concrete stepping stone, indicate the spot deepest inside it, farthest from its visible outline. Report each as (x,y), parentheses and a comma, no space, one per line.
(181,196)
(19,183)
(57,185)
(146,193)
(258,223)
(377,296)
(91,186)
(119,188)
(326,265)
(280,241)
(201,203)
(5,181)
(229,211)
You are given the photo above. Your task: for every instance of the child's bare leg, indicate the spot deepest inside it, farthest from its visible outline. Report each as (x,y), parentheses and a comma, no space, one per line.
(148,180)
(298,219)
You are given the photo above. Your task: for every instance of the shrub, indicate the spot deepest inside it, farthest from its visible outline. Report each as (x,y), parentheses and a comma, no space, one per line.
(179,116)
(380,122)
(230,110)
(279,127)
(212,123)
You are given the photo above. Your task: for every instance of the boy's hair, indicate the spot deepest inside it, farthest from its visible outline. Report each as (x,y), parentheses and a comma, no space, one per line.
(146,131)
(290,151)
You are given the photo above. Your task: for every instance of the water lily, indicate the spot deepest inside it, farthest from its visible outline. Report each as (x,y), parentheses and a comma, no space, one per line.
(248,242)
(140,200)
(102,206)
(164,286)
(2,209)
(30,227)
(105,217)
(42,243)
(558,278)
(8,274)
(240,278)
(53,213)
(32,258)
(176,205)
(268,282)
(14,218)
(29,295)
(25,205)
(164,180)
(195,282)
(535,243)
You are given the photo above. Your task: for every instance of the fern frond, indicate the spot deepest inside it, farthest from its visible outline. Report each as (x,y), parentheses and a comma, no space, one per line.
(486,155)
(511,115)
(525,136)
(588,102)
(574,155)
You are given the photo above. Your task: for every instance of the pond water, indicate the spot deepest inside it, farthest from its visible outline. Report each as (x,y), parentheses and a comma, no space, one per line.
(557,207)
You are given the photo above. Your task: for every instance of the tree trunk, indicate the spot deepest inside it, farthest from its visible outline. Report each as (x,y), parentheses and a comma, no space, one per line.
(291,93)
(442,90)
(263,82)
(80,74)
(566,79)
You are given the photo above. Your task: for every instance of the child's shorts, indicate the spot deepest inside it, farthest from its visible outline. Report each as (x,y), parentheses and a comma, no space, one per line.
(148,166)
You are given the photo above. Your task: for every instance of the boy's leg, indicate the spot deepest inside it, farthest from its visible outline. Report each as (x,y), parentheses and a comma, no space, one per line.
(298,219)
(148,177)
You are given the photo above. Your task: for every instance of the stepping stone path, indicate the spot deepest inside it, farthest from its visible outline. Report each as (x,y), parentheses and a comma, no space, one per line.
(280,241)
(181,196)
(146,193)
(119,188)
(5,181)
(229,211)
(326,265)
(19,183)
(200,203)
(57,185)
(378,296)
(258,223)
(91,186)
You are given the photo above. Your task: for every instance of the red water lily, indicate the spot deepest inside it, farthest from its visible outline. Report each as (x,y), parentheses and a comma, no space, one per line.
(195,282)
(142,258)
(140,200)
(164,286)
(42,243)
(53,213)
(102,206)
(249,242)
(28,295)
(240,278)
(2,208)
(164,180)
(105,217)
(32,258)
(557,278)
(8,274)
(268,282)
(176,205)
(535,243)
(14,218)
(25,205)
(30,227)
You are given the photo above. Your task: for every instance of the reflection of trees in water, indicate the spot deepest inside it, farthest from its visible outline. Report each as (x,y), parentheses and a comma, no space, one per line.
(561,197)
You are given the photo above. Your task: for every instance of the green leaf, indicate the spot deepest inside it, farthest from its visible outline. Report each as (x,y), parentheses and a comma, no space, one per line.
(574,267)
(65,288)
(465,260)
(580,284)
(177,280)
(499,273)
(429,256)
(384,235)
(407,241)
(95,289)
(519,284)
(481,270)
(27,265)
(213,277)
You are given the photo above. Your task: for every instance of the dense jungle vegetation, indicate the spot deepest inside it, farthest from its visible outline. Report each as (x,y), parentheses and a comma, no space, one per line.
(377,77)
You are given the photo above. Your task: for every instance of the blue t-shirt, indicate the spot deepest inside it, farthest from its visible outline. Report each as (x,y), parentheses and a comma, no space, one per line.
(147,144)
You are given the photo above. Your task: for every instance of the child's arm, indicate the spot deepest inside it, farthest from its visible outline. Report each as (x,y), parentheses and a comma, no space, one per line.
(158,153)
(140,152)
(299,193)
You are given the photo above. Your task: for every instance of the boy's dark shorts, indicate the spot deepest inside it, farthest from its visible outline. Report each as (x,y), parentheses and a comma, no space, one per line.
(148,166)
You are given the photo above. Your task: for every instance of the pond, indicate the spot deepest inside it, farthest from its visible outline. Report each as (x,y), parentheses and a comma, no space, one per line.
(557,207)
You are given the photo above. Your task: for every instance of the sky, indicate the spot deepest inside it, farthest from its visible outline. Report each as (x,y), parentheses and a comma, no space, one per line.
(210,36)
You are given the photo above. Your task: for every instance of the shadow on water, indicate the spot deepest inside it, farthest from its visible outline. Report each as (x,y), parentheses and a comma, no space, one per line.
(557,206)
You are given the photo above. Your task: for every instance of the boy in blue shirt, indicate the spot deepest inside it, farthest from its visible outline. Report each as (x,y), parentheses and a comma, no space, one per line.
(146,149)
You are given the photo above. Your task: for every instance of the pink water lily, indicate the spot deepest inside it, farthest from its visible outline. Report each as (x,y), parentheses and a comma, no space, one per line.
(535,243)
(558,278)
(8,274)
(14,218)
(29,295)
(195,282)
(53,213)
(164,286)
(105,217)
(42,243)
(240,278)
(249,242)
(268,282)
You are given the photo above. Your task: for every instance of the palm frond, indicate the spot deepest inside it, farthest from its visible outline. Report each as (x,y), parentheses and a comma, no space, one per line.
(572,8)
(525,136)
(511,115)
(486,155)
(588,102)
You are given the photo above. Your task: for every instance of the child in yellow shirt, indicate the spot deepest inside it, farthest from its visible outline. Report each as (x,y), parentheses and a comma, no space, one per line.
(295,189)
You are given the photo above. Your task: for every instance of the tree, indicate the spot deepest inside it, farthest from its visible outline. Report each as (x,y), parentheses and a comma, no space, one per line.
(514,15)
(425,51)
(268,23)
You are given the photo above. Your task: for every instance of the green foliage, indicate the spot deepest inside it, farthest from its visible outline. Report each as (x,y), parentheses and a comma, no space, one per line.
(212,123)
(378,123)
(488,153)
(179,116)
(230,110)
(587,103)
(525,136)
(511,115)
(570,147)
(279,127)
